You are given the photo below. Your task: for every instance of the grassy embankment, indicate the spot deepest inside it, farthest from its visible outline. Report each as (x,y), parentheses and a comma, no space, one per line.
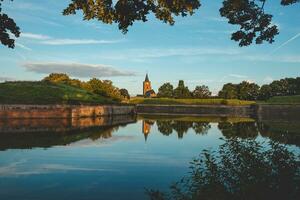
(283,100)
(47,93)
(169,101)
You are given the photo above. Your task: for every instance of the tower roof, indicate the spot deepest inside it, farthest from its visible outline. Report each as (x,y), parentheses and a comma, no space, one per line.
(147,78)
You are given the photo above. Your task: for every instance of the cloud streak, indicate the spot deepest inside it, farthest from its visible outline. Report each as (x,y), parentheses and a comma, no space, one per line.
(35,36)
(3,79)
(285,43)
(23,46)
(77,41)
(76,69)
(48,40)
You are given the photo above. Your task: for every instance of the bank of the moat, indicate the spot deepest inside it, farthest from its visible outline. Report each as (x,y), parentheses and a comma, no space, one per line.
(79,111)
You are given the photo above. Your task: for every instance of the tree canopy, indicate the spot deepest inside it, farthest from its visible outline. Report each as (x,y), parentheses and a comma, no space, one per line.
(7,27)
(255,25)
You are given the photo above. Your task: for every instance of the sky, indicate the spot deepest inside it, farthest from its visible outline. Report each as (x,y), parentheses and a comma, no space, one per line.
(197,49)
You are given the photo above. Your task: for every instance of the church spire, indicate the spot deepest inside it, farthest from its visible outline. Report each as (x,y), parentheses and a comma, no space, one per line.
(147,78)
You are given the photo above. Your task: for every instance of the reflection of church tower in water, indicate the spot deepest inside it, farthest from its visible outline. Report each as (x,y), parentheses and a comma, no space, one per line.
(147,128)
(147,88)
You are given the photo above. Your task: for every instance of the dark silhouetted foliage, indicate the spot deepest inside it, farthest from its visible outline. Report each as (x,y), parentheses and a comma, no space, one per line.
(7,27)
(239,169)
(254,24)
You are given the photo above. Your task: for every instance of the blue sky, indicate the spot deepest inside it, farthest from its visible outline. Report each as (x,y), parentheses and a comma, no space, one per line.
(196,49)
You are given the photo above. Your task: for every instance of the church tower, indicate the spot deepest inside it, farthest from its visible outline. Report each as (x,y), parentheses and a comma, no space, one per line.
(146,85)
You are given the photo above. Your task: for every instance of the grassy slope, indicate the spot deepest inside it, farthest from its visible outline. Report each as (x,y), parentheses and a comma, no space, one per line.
(284,100)
(46,93)
(167,101)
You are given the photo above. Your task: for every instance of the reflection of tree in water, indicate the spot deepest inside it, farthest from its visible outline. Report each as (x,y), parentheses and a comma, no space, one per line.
(201,127)
(240,169)
(287,132)
(165,127)
(240,129)
(181,127)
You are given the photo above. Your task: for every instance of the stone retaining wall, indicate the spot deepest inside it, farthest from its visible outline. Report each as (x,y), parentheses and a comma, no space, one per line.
(63,111)
(207,110)
(279,111)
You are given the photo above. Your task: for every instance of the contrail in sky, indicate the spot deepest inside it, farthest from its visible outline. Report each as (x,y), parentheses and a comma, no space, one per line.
(285,43)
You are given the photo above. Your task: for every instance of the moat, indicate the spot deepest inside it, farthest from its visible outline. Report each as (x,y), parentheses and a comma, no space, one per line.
(126,157)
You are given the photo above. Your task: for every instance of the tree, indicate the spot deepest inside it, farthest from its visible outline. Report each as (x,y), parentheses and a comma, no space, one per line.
(201,92)
(248,91)
(181,91)
(7,27)
(265,92)
(249,15)
(229,91)
(104,88)
(254,24)
(57,78)
(165,127)
(166,90)
(124,93)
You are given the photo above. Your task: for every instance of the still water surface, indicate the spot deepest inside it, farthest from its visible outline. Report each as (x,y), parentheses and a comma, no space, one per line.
(92,161)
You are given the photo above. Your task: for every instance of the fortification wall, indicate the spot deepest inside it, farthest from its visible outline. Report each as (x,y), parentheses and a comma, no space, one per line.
(62,111)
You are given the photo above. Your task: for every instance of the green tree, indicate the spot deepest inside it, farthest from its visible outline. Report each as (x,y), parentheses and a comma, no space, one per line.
(166,90)
(201,92)
(248,91)
(104,88)
(124,93)
(182,91)
(165,127)
(57,78)
(229,91)
(265,92)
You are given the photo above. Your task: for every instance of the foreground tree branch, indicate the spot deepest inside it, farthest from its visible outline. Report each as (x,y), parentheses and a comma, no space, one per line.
(7,27)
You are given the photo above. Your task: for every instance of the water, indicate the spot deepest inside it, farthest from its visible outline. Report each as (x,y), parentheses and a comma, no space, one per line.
(118,158)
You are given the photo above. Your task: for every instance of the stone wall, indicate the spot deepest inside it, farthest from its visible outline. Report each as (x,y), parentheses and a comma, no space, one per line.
(207,110)
(277,112)
(62,111)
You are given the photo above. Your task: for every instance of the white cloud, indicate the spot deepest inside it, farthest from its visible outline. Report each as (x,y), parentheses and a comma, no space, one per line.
(35,36)
(48,40)
(268,79)
(23,46)
(143,54)
(77,41)
(75,69)
(286,42)
(239,76)
(3,79)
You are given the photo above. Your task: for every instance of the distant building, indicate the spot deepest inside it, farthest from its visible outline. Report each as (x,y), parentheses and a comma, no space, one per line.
(148,92)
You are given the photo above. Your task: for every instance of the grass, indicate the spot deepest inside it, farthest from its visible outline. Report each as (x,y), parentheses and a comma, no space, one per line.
(284,100)
(169,101)
(47,93)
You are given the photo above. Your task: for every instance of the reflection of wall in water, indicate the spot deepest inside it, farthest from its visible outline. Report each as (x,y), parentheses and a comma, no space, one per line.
(60,125)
